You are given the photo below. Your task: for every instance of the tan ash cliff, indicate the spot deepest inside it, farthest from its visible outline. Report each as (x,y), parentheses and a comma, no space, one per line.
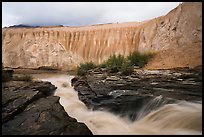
(65,47)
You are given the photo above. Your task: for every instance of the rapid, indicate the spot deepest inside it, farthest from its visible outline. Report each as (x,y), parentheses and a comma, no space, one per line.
(182,118)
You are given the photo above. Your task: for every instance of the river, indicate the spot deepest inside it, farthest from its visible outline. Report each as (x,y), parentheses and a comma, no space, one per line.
(182,118)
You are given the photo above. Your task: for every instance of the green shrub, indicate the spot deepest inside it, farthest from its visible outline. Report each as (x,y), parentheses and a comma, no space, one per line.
(127,68)
(23,78)
(83,68)
(139,59)
(114,63)
(103,65)
(118,63)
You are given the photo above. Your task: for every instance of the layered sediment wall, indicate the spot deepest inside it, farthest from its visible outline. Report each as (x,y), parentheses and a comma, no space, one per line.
(66,47)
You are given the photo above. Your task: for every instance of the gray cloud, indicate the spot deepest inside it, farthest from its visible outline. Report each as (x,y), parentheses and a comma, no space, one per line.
(81,13)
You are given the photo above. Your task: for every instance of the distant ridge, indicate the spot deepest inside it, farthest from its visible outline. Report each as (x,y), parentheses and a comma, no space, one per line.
(29,26)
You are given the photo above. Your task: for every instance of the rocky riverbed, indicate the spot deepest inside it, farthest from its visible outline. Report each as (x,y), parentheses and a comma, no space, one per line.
(30,108)
(143,90)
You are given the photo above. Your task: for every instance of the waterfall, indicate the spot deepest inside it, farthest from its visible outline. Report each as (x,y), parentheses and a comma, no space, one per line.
(156,118)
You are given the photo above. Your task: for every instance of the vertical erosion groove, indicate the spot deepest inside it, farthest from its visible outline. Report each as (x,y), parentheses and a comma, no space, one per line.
(96,43)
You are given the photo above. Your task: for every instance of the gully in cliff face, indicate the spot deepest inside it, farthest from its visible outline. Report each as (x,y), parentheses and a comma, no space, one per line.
(66,47)
(145,102)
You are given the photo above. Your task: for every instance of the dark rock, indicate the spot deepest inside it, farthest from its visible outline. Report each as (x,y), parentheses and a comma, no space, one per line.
(7,74)
(130,105)
(44,117)
(129,95)
(28,108)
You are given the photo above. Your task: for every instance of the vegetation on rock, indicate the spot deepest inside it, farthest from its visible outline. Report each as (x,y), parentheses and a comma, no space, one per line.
(7,75)
(83,68)
(114,63)
(138,59)
(118,63)
(22,78)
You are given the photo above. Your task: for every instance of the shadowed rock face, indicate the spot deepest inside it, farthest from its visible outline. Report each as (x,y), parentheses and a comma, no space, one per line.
(65,47)
(29,108)
(129,95)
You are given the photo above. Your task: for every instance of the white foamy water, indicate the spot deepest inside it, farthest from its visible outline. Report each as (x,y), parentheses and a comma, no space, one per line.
(182,118)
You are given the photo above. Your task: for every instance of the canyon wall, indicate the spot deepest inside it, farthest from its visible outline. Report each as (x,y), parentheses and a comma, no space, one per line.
(66,47)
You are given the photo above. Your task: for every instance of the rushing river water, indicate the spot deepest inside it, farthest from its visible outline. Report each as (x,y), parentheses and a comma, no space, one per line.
(181,118)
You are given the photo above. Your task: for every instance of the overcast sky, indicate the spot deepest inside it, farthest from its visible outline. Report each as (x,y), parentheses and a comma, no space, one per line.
(81,13)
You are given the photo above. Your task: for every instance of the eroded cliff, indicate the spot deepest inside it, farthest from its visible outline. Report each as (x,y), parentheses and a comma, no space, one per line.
(65,47)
